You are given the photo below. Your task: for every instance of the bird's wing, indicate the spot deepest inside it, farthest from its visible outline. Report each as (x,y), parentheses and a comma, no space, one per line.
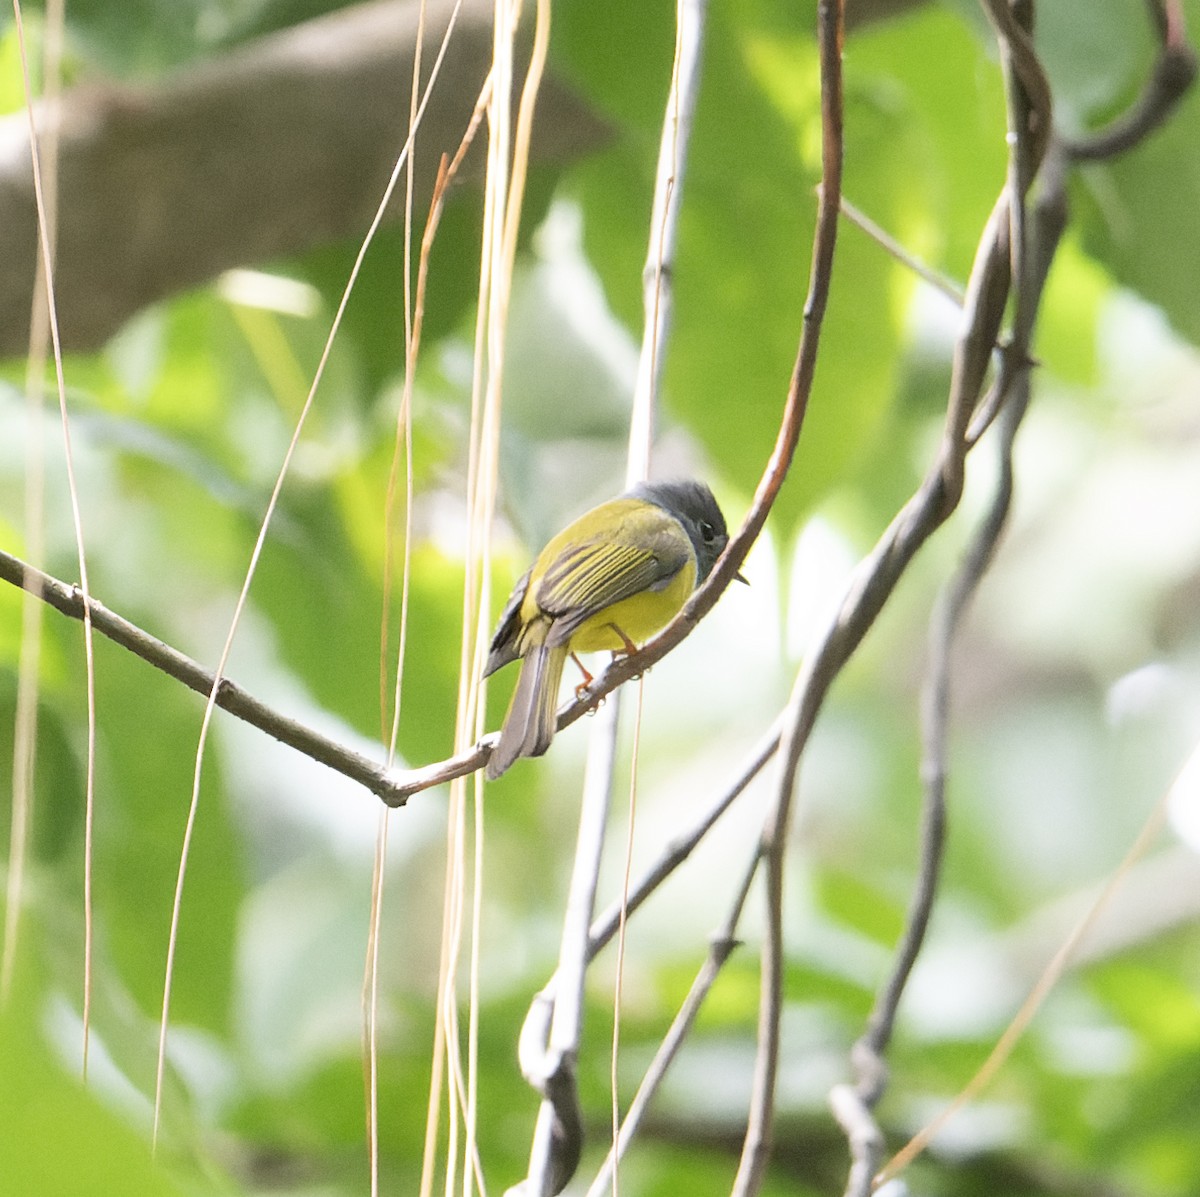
(596,574)
(504,646)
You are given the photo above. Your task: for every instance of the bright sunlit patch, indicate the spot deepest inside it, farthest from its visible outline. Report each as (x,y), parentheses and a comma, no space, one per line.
(1140,691)
(821,568)
(981,1127)
(961,987)
(1092,1050)
(1142,356)
(1183,802)
(106,1079)
(575,290)
(270,292)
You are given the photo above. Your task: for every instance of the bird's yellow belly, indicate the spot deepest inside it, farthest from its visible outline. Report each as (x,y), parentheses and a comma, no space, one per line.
(639,617)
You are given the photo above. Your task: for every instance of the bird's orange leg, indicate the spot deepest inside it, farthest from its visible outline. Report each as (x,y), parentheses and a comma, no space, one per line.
(581,689)
(627,646)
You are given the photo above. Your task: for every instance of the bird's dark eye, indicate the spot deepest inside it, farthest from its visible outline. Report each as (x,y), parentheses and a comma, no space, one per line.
(708,532)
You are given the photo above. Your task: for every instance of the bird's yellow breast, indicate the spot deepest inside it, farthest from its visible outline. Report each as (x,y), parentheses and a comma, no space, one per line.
(639,617)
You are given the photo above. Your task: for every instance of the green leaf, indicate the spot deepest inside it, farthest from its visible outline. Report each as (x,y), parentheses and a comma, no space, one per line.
(58,1138)
(856,903)
(148,729)
(326,611)
(1138,217)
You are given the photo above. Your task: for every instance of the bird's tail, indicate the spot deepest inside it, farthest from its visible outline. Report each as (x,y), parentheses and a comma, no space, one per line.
(532,714)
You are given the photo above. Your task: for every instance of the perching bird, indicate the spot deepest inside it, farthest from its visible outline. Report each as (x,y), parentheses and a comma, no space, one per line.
(610,580)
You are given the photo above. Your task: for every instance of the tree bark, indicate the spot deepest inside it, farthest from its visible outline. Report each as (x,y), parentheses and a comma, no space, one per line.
(282,145)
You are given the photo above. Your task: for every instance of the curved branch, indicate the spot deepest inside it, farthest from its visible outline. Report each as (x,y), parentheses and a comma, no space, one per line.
(558,1138)
(757,1145)
(723,573)
(1034,247)
(1171,78)
(69,601)
(721,946)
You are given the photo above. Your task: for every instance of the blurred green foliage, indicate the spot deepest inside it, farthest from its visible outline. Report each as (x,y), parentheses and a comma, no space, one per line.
(1076,683)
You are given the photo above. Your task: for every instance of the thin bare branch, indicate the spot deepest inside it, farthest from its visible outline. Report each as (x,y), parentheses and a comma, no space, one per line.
(757,1145)
(1033,245)
(46,248)
(869,589)
(853,1105)
(1173,74)
(558,1137)
(938,281)
(32,611)
(657,290)
(69,601)
(721,947)
(1151,829)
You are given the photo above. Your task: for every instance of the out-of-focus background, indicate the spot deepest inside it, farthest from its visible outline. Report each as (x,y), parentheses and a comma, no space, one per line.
(1076,681)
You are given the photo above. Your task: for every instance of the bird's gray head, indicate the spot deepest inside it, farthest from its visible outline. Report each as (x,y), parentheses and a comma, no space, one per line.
(693,505)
